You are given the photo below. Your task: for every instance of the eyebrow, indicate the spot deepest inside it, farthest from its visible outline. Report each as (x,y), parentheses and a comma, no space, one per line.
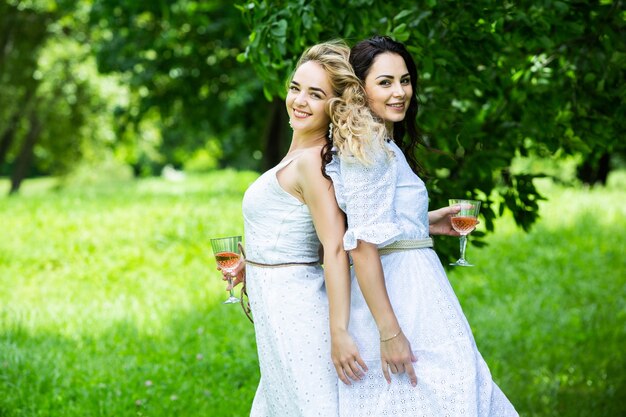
(310,88)
(391,76)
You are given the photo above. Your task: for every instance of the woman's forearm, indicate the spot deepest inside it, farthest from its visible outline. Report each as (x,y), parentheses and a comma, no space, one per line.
(371,278)
(337,278)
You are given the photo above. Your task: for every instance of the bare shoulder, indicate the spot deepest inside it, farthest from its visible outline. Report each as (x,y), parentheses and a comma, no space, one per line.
(310,161)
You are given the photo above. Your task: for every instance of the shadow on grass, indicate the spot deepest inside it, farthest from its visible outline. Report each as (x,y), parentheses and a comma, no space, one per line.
(202,363)
(547,308)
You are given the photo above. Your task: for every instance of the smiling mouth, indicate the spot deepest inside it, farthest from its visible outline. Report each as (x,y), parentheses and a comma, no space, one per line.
(396,105)
(299,113)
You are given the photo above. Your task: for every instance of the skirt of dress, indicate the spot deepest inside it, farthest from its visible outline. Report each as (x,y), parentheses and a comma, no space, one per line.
(290,310)
(452,377)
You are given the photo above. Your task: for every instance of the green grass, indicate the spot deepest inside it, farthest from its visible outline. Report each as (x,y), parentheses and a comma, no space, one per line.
(548,308)
(110,304)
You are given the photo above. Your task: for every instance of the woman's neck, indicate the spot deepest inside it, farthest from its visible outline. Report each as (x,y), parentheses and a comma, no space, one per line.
(307,140)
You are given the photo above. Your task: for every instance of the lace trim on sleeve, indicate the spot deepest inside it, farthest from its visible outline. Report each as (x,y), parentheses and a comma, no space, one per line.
(368,193)
(380,234)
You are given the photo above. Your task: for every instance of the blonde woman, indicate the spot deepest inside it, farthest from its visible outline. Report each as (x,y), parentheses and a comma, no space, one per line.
(301,310)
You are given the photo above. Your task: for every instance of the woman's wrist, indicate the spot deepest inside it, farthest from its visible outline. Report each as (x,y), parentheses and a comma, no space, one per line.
(389,332)
(338,329)
(393,336)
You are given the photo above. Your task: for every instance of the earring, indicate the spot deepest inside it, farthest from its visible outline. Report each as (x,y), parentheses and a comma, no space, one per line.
(330,130)
(290,124)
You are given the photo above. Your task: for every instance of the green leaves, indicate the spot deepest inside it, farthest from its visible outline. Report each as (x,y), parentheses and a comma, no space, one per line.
(523,79)
(186,61)
(496,80)
(279,29)
(400,33)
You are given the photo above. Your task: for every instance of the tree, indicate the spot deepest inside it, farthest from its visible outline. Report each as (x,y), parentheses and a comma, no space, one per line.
(52,108)
(180,60)
(498,80)
(22,32)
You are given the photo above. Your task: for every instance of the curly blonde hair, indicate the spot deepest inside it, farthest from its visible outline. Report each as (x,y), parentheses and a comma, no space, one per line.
(356,130)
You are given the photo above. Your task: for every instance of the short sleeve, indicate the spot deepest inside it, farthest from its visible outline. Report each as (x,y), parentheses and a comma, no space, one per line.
(366,194)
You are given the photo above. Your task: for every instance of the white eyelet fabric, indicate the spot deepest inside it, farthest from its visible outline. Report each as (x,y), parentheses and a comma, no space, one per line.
(383,203)
(289,304)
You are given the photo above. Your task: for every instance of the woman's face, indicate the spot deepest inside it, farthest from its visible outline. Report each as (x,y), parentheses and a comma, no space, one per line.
(388,87)
(309,90)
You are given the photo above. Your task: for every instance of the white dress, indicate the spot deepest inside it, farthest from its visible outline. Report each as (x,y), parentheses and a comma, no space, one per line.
(452,377)
(289,305)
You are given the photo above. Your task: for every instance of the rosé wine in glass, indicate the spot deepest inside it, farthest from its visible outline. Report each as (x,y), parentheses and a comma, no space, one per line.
(227,260)
(226,252)
(464,222)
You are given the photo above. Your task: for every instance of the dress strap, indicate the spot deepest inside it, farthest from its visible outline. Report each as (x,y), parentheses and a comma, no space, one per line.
(287,161)
(243,299)
(400,245)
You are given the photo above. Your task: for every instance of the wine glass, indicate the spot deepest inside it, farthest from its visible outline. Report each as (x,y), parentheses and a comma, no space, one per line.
(464,222)
(226,251)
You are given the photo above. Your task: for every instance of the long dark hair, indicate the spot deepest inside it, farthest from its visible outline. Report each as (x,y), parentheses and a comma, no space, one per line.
(406,133)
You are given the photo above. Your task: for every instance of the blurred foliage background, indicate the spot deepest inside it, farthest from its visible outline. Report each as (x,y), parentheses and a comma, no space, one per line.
(95,89)
(97,97)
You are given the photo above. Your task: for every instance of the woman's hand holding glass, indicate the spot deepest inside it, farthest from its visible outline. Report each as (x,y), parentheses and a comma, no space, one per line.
(464,221)
(235,276)
(439,222)
(233,271)
(228,258)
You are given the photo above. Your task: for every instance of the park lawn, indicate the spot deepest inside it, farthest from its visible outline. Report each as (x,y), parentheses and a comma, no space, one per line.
(110,304)
(548,308)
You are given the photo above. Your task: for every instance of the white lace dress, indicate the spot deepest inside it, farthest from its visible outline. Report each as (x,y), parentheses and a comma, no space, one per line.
(289,305)
(452,377)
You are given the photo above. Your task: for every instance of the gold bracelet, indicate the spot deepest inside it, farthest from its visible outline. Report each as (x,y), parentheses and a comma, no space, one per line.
(394,336)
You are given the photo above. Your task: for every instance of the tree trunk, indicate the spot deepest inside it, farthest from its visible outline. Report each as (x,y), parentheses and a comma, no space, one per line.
(8,136)
(277,135)
(25,158)
(604,167)
(595,169)
(7,34)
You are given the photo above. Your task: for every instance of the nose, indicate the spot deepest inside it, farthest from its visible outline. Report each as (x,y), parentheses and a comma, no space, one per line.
(300,99)
(398,90)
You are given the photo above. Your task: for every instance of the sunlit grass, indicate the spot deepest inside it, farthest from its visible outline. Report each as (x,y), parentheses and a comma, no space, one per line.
(548,308)
(110,304)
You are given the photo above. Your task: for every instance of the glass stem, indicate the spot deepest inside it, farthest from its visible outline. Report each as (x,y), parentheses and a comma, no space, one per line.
(463,243)
(230,283)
